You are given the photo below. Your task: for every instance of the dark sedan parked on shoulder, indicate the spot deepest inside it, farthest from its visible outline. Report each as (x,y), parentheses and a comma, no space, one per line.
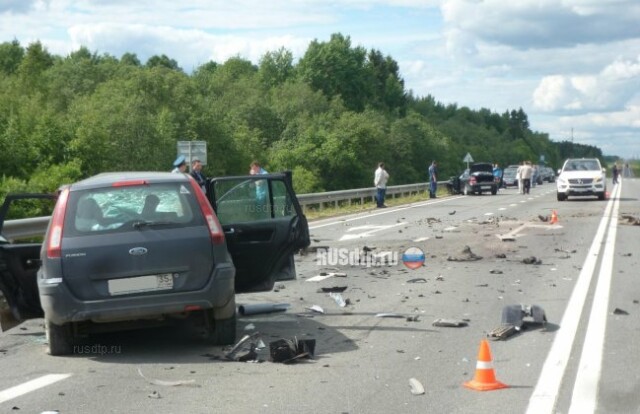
(478,178)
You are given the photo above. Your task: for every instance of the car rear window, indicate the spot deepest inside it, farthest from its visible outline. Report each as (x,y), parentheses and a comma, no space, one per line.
(118,209)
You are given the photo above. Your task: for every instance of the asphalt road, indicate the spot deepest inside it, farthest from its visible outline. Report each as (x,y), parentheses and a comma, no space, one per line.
(583,360)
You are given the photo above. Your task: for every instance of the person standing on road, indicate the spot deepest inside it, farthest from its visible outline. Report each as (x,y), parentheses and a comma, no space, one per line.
(519,178)
(196,173)
(433,179)
(527,173)
(497,174)
(615,172)
(261,185)
(380,181)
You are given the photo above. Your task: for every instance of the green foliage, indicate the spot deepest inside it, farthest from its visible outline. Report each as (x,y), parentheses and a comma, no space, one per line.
(330,118)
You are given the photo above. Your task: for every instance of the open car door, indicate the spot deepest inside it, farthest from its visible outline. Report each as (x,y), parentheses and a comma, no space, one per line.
(19,262)
(264,226)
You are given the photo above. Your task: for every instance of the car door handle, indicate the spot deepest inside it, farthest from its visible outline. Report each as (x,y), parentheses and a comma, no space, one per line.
(230,231)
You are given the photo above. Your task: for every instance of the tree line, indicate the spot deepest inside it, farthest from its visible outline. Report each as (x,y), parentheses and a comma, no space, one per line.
(330,117)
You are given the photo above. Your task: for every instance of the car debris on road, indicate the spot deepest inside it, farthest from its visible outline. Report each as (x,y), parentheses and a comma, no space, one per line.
(513,320)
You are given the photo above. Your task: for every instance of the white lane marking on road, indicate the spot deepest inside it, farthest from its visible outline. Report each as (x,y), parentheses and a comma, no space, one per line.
(369,230)
(513,205)
(420,239)
(29,386)
(502,208)
(333,221)
(450,228)
(488,214)
(545,395)
(523,201)
(585,389)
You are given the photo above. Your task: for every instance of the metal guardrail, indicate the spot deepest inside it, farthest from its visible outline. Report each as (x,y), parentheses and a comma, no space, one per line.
(37,226)
(360,194)
(23,228)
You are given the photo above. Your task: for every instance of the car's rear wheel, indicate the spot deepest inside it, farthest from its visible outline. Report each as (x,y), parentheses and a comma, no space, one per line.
(222,330)
(494,191)
(59,337)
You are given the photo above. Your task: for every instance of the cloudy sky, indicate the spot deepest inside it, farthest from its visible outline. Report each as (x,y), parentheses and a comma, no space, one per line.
(572,65)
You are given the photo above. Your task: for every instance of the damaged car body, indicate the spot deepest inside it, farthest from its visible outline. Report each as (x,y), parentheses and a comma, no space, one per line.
(135,249)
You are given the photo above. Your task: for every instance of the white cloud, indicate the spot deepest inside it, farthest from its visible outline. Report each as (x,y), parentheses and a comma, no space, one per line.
(609,90)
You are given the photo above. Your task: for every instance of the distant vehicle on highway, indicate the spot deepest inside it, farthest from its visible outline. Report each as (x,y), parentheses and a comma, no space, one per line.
(509,177)
(135,249)
(547,174)
(581,177)
(478,178)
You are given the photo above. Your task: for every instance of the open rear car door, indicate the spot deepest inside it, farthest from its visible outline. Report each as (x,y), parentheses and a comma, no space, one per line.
(20,261)
(264,226)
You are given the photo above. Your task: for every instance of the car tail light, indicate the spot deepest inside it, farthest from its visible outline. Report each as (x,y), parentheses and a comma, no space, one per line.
(217,236)
(129,183)
(54,241)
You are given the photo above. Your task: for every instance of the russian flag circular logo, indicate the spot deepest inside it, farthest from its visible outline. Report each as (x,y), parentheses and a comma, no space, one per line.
(413,258)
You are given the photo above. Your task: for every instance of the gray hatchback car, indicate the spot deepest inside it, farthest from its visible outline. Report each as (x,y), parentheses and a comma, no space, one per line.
(126,250)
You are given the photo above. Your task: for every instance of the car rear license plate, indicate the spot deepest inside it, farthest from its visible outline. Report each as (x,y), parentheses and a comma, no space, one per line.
(486,187)
(140,284)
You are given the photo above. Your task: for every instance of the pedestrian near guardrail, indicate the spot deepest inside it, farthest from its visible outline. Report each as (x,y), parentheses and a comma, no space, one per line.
(433,179)
(380,181)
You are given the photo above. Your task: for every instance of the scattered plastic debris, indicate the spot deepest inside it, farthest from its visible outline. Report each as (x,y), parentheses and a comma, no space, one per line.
(495,272)
(532,260)
(332,289)
(323,276)
(450,323)
(316,308)
(390,315)
(413,318)
(166,383)
(338,298)
(465,256)
(155,395)
(250,327)
(417,280)
(513,320)
(258,308)
(416,387)
(288,351)
(231,354)
(618,311)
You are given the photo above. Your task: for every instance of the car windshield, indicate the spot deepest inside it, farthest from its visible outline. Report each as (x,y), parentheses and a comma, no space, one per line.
(582,165)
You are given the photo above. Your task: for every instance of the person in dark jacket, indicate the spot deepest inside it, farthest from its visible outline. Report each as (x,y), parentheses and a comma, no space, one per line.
(196,173)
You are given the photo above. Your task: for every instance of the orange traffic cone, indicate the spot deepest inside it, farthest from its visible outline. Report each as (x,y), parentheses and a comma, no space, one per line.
(554,217)
(485,378)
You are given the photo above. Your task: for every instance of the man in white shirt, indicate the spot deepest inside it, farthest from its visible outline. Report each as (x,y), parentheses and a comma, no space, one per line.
(380,181)
(526,173)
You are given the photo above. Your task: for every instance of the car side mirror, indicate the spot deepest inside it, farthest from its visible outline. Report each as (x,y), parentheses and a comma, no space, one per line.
(604,170)
(559,171)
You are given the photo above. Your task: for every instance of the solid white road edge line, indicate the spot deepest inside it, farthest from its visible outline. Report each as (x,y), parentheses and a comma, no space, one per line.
(585,389)
(543,399)
(32,385)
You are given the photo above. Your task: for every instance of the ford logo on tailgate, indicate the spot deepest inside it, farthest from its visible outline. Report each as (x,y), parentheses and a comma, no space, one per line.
(138,251)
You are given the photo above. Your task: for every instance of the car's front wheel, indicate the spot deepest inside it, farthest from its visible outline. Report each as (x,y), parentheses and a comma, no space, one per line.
(601,196)
(494,191)
(59,337)
(562,197)
(466,190)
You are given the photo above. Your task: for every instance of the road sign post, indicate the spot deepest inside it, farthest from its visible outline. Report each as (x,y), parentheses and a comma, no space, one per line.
(193,150)
(468,158)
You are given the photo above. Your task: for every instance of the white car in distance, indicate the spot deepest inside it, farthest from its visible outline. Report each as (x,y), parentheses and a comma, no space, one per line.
(581,177)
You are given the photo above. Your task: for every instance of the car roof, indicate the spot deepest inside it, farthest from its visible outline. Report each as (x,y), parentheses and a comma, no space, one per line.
(106,179)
